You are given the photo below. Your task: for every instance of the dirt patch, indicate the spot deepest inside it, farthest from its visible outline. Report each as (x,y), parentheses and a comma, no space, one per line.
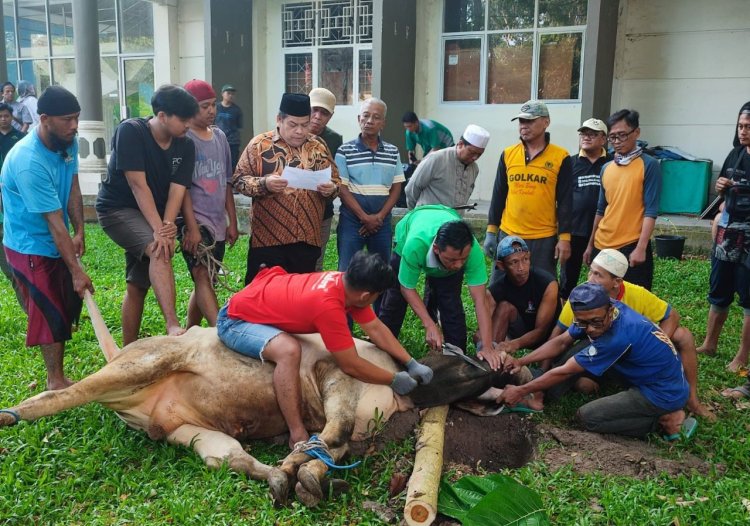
(492,443)
(614,455)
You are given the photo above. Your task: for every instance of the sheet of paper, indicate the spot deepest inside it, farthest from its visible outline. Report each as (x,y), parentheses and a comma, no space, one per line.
(306,179)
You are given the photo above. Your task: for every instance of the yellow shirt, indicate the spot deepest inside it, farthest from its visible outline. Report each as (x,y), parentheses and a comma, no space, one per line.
(636,297)
(531,207)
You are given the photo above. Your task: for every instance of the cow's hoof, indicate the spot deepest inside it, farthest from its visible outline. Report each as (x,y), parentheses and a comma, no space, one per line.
(278,482)
(305,497)
(310,482)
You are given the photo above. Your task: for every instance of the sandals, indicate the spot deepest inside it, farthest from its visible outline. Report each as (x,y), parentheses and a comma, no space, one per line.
(687,430)
(742,390)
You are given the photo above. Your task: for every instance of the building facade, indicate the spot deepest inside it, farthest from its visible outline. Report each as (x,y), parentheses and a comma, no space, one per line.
(455,61)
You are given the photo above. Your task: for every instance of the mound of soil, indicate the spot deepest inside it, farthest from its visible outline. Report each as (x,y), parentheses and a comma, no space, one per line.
(614,455)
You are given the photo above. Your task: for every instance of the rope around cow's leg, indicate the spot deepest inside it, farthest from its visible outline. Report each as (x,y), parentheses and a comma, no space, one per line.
(15,415)
(317,448)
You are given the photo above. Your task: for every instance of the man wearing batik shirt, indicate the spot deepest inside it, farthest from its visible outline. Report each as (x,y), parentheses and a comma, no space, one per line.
(285,222)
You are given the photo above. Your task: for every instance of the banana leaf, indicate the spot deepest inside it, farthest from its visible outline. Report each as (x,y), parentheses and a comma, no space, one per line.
(494,500)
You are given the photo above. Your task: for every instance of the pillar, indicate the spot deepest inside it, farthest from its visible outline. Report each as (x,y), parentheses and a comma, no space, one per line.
(92,148)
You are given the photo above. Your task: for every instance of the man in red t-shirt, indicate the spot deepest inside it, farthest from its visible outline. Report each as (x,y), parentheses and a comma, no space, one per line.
(259,322)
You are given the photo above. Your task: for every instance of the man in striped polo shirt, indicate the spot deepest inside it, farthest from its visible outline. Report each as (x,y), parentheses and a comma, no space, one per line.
(371,180)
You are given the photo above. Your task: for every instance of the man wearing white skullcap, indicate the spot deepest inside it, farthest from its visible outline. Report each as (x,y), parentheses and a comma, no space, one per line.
(607,270)
(447,176)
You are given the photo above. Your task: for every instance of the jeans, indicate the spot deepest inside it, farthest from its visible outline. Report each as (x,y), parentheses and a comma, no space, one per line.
(244,337)
(349,240)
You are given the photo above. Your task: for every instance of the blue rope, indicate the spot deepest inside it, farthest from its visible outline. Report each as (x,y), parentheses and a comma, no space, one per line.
(11,413)
(317,448)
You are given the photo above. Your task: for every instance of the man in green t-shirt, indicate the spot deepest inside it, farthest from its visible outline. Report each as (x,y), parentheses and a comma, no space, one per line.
(433,240)
(428,134)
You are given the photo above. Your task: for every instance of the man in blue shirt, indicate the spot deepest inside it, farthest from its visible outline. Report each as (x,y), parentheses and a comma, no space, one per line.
(632,346)
(41,197)
(371,180)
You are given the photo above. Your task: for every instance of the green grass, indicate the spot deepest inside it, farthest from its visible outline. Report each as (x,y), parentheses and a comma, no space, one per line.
(86,467)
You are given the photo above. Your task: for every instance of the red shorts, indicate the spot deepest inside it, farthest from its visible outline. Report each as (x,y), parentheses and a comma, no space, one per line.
(53,306)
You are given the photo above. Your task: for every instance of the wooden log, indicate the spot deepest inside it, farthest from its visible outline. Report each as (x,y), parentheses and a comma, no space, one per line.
(422,491)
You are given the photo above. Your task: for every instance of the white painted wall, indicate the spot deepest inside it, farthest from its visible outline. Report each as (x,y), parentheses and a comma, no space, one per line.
(179,42)
(496,118)
(192,41)
(683,65)
(268,75)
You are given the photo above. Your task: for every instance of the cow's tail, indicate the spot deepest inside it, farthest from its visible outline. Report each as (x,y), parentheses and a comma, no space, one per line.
(106,341)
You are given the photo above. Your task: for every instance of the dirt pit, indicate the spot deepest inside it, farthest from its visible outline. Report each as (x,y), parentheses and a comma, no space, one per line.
(475,443)
(471,442)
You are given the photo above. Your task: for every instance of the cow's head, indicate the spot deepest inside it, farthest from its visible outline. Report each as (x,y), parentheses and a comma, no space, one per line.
(456,380)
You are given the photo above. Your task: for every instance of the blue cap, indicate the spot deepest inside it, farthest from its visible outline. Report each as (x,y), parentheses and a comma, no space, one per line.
(588,296)
(506,248)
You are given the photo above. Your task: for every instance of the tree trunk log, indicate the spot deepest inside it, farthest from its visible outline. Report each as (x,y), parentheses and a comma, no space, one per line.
(422,491)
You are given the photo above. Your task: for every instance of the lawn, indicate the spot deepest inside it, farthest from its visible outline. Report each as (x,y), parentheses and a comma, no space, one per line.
(86,467)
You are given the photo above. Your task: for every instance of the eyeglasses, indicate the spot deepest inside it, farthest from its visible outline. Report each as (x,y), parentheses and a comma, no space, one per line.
(589,135)
(596,323)
(620,137)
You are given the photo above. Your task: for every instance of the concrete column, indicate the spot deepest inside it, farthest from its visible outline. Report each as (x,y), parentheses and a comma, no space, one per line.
(599,59)
(3,61)
(166,44)
(229,53)
(393,60)
(92,148)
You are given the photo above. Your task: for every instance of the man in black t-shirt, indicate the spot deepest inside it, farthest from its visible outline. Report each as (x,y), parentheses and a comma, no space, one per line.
(229,120)
(587,168)
(150,168)
(524,301)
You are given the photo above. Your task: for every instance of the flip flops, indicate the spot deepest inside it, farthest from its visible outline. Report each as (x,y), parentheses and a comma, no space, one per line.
(744,390)
(687,430)
(519,408)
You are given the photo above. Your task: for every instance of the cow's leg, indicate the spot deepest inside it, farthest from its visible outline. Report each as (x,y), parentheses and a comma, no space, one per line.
(340,398)
(217,449)
(91,389)
(112,383)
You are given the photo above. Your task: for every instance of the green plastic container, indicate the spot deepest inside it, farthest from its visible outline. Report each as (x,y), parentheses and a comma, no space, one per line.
(684,186)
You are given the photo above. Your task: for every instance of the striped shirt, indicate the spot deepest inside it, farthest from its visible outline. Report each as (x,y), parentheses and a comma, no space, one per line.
(366,172)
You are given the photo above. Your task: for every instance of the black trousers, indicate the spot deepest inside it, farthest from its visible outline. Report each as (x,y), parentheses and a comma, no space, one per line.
(294,258)
(445,294)
(643,274)
(571,271)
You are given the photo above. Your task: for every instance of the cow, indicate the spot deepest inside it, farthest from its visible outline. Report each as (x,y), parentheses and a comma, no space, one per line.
(193,391)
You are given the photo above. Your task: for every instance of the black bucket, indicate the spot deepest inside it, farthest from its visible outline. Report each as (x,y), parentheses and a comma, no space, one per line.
(668,246)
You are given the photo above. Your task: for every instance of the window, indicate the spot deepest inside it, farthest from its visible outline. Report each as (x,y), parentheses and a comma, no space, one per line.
(509,51)
(39,48)
(328,44)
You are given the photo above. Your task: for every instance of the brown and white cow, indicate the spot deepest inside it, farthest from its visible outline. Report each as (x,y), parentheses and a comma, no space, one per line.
(194,391)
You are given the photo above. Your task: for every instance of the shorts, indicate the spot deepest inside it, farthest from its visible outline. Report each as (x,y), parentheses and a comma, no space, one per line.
(242,336)
(129,229)
(53,306)
(207,238)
